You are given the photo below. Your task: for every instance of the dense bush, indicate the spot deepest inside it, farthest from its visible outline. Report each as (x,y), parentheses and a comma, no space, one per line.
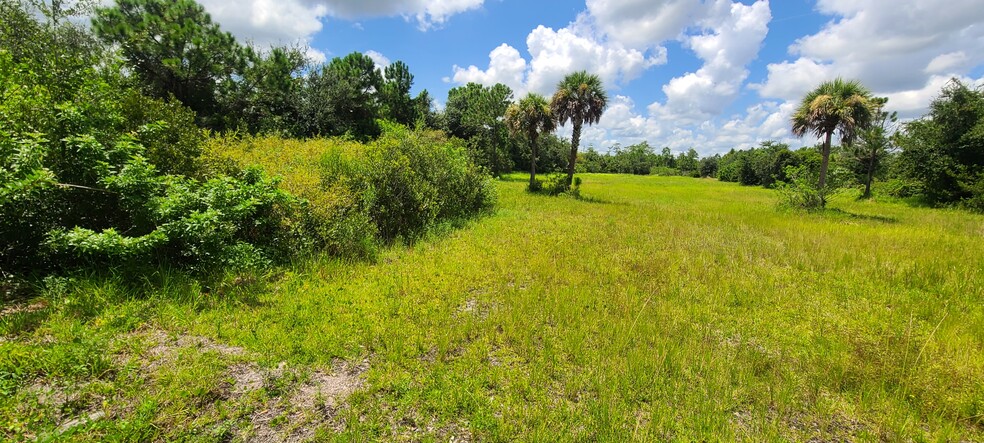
(80,189)
(899,188)
(94,173)
(556,184)
(944,152)
(415,179)
(398,186)
(664,171)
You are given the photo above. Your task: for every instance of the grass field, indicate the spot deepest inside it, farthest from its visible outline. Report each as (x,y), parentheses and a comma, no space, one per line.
(654,309)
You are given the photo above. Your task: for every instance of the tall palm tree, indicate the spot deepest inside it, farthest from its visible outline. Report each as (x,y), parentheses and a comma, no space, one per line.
(580,99)
(846,107)
(530,118)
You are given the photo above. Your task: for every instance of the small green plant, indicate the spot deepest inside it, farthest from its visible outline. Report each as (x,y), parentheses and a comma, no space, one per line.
(556,184)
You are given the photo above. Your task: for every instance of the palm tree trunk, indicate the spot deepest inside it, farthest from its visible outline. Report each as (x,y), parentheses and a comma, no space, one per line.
(533,162)
(871,173)
(575,140)
(825,160)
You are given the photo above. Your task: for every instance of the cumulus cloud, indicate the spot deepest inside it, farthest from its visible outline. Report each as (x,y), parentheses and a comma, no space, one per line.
(734,34)
(896,48)
(626,125)
(556,53)
(791,80)
(904,50)
(378,59)
(914,102)
(643,23)
(506,66)
(293,22)
(427,13)
(267,22)
(949,62)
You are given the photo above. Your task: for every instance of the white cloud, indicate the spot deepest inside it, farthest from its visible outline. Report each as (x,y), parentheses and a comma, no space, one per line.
(556,53)
(268,22)
(315,56)
(506,66)
(427,13)
(949,62)
(620,39)
(378,59)
(643,23)
(293,22)
(913,103)
(734,35)
(791,80)
(625,125)
(896,48)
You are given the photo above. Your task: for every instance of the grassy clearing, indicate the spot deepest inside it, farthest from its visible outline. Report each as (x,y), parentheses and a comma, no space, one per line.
(658,308)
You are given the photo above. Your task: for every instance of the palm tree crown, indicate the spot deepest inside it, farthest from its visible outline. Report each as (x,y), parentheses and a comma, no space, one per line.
(837,105)
(580,98)
(531,116)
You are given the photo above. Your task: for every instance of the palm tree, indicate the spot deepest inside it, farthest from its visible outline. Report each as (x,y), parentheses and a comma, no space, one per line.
(580,98)
(842,106)
(530,117)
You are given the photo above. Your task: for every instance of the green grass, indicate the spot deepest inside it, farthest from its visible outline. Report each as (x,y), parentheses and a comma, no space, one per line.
(657,308)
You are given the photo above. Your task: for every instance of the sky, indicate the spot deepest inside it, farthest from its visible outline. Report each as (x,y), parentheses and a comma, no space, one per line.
(705,74)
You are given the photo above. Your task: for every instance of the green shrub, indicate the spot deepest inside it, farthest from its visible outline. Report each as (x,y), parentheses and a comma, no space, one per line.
(801,191)
(556,184)
(79,189)
(975,202)
(235,222)
(409,180)
(398,186)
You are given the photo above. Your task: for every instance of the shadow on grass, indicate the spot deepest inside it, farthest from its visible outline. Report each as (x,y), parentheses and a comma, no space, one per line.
(836,212)
(577,197)
(514,178)
(596,200)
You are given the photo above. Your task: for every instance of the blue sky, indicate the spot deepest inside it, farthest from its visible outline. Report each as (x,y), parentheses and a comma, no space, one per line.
(707,74)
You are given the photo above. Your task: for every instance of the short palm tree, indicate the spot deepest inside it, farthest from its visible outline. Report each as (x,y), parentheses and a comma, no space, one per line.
(580,99)
(530,118)
(846,107)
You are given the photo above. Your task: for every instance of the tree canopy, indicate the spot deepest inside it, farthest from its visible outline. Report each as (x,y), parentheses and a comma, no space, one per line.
(943,153)
(174,48)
